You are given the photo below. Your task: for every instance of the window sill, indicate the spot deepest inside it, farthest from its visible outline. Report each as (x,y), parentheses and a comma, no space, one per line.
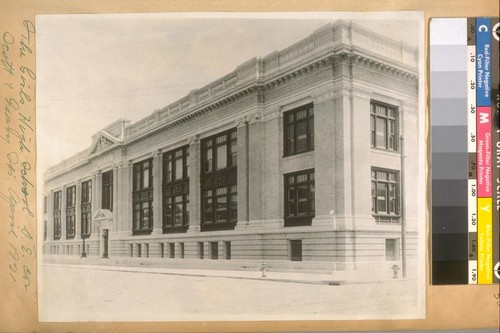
(175,229)
(142,232)
(298,154)
(70,236)
(298,221)
(387,219)
(217,226)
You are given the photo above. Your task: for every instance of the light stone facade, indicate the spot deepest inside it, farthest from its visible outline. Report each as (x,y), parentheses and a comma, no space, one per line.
(341,69)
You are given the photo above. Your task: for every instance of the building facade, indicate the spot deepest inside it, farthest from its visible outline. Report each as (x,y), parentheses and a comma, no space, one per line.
(294,158)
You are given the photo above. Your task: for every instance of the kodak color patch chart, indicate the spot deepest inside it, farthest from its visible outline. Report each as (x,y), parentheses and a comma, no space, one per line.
(465,150)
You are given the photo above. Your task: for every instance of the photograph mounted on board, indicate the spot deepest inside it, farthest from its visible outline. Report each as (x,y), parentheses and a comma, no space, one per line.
(263,166)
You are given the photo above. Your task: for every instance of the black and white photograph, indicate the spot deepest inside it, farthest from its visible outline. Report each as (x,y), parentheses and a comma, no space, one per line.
(231,166)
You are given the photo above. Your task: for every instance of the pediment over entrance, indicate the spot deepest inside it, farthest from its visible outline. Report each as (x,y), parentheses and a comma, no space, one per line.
(103,214)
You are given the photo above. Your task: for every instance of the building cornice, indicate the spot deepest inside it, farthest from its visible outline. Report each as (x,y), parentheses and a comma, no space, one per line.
(332,44)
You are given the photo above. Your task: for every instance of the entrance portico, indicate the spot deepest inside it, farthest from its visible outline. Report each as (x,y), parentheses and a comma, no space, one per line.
(104,221)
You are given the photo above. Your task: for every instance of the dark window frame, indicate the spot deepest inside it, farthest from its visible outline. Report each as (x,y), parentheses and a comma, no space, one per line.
(291,127)
(173,188)
(216,181)
(391,213)
(292,215)
(142,202)
(57,214)
(86,208)
(70,212)
(390,119)
(107,190)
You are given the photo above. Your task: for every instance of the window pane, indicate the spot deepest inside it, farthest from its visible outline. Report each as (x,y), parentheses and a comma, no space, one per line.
(178,168)
(208,160)
(168,212)
(168,170)
(382,197)
(233,214)
(186,209)
(301,114)
(187,162)
(374,196)
(178,210)
(221,157)
(311,197)
(301,136)
(221,209)
(145,175)
(381,133)
(234,153)
(311,133)
(292,206)
(290,144)
(145,215)
(302,197)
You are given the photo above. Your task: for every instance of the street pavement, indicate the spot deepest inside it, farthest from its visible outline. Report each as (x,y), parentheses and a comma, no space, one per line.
(117,293)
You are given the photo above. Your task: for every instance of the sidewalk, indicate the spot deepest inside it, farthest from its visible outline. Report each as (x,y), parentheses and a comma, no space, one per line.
(333,278)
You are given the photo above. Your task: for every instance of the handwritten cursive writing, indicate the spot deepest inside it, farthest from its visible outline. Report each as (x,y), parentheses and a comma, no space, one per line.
(12,199)
(17,132)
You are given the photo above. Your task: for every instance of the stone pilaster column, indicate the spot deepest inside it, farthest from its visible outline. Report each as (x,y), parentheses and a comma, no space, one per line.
(124,205)
(194,184)
(115,197)
(325,128)
(254,185)
(78,210)
(361,173)
(243,175)
(157,190)
(63,212)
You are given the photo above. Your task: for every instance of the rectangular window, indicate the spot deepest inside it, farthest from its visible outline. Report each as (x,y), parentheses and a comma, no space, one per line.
(298,130)
(57,215)
(227,250)
(383,126)
(219,151)
(299,198)
(45,205)
(171,250)
(181,250)
(143,197)
(218,181)
(86,208)
(391,249)
(45,230)
(70,211)
(176,190)
(296,250)
(107,190)
(201,250)
(214,250)
(385,195)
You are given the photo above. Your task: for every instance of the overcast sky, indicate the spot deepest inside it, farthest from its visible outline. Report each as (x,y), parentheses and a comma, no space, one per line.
(95,69)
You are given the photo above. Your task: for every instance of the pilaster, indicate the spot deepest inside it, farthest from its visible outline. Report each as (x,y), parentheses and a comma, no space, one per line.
(243,174)
(124,199)
(157,190)
(194,184)
(325,184)
(115,197)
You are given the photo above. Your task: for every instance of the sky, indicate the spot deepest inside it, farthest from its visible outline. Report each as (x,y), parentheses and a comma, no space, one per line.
(95,69)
